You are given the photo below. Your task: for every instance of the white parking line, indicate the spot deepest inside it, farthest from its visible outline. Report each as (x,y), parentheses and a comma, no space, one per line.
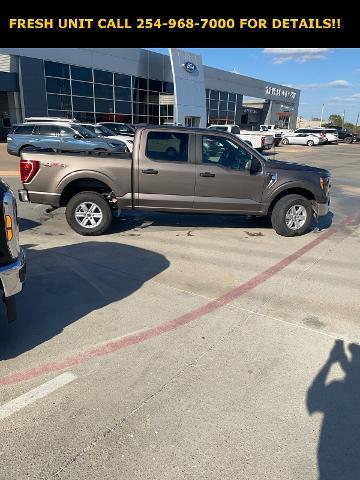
(35,394)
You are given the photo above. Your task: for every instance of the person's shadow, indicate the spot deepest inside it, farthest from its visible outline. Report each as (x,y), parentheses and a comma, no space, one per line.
(339,401)
(66,283)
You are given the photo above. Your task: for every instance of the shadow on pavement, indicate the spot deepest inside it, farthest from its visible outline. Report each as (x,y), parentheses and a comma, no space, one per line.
(323,223)
(26,224)
(66,283)
(183,221)
(339,401)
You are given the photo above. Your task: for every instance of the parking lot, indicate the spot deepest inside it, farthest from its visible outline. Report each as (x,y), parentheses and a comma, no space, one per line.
(187,347)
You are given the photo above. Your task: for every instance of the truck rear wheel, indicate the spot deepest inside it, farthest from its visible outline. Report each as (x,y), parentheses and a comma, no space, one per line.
(88,213)
(291,216)
(348,140)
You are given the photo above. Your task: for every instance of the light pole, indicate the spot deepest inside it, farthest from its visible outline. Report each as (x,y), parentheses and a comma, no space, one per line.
(322,113)
(357,121)
(343,120)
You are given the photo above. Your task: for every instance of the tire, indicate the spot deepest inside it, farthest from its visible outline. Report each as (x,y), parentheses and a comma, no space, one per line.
(310,143)
(348,140)
(283,208)
(285,141)
(76,214)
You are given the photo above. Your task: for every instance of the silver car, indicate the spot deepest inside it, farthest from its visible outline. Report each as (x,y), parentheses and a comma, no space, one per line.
(308,139)
(101,131)
(59,136)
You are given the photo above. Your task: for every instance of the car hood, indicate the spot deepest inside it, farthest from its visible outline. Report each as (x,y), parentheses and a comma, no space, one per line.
(104,140)
(279,165)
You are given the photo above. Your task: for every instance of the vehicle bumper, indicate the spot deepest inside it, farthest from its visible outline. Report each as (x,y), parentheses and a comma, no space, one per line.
(12,276)
(322,209)
(23,195)
(12,152)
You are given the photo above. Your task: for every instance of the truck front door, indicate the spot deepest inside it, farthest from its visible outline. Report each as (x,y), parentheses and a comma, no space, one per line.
(224,181)
(165,171)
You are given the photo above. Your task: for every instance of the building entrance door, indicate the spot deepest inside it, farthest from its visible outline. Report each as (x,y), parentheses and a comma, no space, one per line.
(192,121)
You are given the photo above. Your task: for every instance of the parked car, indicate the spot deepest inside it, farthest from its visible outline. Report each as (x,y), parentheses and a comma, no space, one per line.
(119,128)
(330,134)
(344,134)
(177,169)
(102,131)
(12,256)
(58,136)
(309,139)
(257,140)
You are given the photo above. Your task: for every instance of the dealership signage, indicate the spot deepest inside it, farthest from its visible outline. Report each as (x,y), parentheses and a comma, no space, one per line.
(279,92)
(189,67)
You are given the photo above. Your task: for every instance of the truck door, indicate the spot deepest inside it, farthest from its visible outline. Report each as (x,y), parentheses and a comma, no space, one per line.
(224,181)
(165,176)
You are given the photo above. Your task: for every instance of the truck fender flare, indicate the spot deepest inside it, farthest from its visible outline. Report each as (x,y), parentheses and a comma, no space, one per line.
(90,174)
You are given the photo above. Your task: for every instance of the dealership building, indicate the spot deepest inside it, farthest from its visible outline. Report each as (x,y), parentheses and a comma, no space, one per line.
(134,85)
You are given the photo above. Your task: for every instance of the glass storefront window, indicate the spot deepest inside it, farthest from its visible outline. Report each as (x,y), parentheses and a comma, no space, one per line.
(83,104)
(121,80)
(140,108)
(140,96)
(168,87)
(59,102)
(88,117)
(103,91)
(83,89)
(123,107)
(140,83)
(81,73)
(123,94)
(154,98)
(101,76)
(104,106)
(60,113)
(58,85)
(222,105)
(123,118)
(232,97)
(54,69)
(231,106)
(104,117)
(140,119)
(214,95)
(224,96)
(155,85)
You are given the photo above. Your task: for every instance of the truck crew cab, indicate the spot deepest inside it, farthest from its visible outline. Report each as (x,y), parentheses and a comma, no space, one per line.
(176,169)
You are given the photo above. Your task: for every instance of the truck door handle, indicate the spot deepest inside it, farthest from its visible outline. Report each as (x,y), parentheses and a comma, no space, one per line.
(150,171)
(207,174)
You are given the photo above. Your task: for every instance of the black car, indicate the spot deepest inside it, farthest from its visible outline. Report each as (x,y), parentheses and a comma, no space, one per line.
(344,134)
(12,257)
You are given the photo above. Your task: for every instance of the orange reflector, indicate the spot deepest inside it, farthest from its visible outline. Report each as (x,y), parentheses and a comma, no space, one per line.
(8,225)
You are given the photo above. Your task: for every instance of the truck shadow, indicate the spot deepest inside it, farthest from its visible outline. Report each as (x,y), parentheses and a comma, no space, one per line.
(137,222)
(66,283)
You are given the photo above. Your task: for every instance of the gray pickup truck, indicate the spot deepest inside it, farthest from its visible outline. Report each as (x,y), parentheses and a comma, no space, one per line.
(175,169)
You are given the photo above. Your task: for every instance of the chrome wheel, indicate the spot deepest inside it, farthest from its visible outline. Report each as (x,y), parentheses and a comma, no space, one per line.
(88,214)
(296,217)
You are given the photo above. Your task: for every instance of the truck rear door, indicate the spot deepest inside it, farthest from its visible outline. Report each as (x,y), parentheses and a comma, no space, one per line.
(165,170)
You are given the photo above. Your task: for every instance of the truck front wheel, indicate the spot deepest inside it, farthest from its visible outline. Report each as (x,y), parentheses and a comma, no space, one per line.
(88,213)
(291,216)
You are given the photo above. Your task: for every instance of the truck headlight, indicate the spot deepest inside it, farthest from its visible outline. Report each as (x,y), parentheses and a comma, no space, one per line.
(324,183)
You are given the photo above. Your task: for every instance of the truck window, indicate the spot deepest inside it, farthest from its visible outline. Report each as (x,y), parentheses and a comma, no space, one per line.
(167,146)
(225,153)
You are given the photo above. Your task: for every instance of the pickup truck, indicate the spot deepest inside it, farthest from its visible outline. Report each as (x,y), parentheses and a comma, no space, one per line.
(278,133)
(257,140)
(176,169)
(12,257)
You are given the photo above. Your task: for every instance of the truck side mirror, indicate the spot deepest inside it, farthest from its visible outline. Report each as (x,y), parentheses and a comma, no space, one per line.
(77,136)
(255,165)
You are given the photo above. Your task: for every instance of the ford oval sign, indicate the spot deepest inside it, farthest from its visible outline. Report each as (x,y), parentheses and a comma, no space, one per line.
(190,67)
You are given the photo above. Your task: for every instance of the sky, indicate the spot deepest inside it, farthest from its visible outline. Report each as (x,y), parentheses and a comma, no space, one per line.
(325,76)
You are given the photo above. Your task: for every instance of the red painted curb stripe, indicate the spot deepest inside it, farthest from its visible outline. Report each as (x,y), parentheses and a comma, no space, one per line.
(132,339)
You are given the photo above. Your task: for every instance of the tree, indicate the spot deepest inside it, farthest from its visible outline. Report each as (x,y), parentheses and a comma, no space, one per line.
(335,119)
(349,126)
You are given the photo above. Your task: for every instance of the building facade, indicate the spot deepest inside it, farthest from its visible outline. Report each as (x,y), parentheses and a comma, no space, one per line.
(130,85)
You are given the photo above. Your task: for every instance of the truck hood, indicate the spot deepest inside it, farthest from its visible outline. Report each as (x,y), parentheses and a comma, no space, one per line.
(279,165)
